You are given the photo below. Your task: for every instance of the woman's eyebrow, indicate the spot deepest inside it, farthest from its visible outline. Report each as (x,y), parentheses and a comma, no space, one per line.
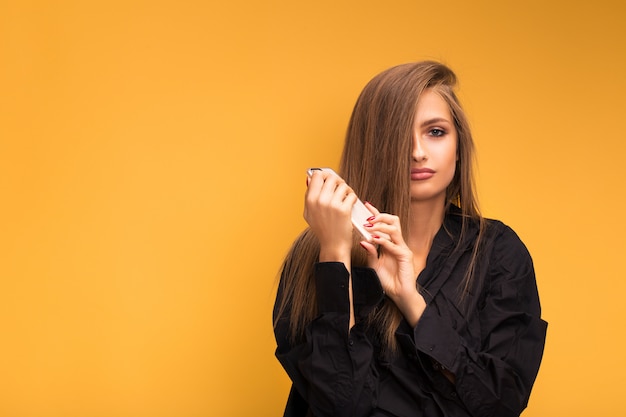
(435,120)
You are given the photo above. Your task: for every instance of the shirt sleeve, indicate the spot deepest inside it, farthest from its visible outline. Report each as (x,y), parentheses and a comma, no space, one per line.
(496,377)
(332,368)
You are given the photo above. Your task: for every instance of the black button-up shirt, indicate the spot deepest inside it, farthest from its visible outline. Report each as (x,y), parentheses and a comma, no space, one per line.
(491,341)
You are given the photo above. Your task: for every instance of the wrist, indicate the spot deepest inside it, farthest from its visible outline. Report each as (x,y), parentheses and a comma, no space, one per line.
(334,254)
(411,305)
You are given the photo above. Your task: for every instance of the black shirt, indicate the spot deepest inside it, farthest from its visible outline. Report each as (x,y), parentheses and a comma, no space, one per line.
(492,340)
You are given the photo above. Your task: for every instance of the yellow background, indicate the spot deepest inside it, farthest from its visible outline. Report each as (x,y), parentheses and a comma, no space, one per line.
(152,166)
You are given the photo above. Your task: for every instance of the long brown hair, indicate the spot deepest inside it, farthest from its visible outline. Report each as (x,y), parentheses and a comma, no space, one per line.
(375,162)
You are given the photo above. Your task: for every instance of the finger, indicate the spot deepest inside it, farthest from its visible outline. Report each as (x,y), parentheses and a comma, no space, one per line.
(372,253)
(371,208)
(350,200)
(331,182)
(387,225)
(314,183)
(387,218)
(314,195)
(320,191)
(338,201)
(335,191)
(344,195)
(389,247)
(380,228)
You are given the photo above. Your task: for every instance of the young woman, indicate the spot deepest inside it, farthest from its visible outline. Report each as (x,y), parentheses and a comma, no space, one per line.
(439,314)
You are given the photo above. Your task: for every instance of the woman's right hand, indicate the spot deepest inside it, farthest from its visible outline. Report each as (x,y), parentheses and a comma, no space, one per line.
(327,209)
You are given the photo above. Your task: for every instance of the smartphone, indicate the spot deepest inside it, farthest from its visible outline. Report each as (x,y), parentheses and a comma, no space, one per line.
(360,213)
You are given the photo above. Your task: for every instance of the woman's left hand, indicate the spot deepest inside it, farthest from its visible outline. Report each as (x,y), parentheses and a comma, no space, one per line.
(394,265)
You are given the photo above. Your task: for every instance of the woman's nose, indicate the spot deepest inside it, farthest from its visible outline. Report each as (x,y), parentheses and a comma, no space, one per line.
(419,153)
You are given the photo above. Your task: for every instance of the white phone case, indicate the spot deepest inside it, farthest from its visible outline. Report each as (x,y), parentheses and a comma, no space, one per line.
(360,213)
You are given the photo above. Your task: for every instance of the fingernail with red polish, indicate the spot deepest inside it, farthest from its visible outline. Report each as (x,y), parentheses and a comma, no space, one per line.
(369,219)
(376,236)
(368,225)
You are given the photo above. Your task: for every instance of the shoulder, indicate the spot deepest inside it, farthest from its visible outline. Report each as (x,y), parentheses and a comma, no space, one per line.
(503,236)
(507,252)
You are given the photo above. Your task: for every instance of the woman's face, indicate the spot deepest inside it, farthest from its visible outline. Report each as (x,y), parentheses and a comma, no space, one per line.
(433,161)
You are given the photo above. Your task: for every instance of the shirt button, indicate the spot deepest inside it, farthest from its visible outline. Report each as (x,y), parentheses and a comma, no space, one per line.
(351,342)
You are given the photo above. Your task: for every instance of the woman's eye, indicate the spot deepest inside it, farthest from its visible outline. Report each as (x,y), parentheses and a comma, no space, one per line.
(437,132)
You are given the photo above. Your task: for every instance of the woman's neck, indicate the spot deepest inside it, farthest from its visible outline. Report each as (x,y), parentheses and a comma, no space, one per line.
(425,221)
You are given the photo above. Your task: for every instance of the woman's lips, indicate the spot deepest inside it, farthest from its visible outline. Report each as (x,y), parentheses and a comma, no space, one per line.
(420,174)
